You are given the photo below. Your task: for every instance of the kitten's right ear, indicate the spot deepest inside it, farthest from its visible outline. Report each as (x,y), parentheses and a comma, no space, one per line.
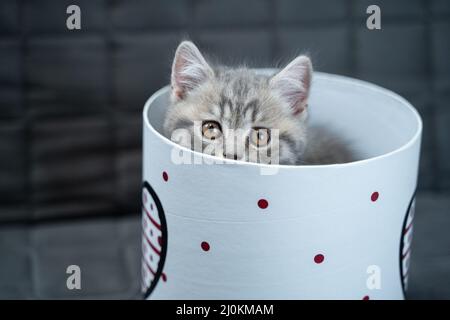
(189,69)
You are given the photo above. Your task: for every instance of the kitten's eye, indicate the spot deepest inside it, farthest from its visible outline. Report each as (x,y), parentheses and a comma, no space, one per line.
(260,137)
(211,130)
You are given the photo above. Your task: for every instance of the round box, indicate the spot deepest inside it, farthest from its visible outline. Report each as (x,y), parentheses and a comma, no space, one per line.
(239,230)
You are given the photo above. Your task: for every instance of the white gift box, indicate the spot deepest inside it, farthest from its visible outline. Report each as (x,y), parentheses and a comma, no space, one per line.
(239,230)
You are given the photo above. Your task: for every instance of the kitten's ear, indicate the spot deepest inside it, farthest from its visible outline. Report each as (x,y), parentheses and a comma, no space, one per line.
(293,83)
(189,69)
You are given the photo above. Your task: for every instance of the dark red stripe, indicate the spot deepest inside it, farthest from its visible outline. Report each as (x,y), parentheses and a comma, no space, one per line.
(151,245)
(406,253)
(149,268)
(408,227)
(151,219)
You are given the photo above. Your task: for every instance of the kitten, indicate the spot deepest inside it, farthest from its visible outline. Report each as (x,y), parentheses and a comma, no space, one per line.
(235,112)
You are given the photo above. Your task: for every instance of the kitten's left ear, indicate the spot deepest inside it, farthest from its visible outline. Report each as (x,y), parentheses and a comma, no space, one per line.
(293,83)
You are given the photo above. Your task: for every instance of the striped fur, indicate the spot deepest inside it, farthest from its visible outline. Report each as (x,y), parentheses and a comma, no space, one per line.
(240,99)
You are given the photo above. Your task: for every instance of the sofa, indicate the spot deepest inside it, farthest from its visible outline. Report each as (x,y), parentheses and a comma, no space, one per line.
(71,120)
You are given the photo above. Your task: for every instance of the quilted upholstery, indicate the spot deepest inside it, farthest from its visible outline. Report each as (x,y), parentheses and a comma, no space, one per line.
(71,101)
(70,134)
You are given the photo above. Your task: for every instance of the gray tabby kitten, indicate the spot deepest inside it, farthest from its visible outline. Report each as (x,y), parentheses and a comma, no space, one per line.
(235,112)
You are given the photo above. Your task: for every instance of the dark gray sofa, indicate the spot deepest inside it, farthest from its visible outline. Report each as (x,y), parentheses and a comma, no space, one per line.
(70,119)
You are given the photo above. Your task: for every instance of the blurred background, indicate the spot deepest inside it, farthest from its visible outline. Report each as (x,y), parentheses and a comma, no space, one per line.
(70,119)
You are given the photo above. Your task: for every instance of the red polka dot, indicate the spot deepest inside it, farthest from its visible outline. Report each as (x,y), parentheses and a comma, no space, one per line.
(160,241)
(374,196)
(205,246)
(164,277)
(165,176)
(319,258)
(366,298)
(263,204)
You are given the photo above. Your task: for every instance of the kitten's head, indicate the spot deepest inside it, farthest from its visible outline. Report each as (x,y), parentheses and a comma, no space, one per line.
(236,113)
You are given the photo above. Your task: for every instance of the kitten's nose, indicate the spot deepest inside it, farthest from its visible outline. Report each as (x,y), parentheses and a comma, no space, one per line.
(230,156)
